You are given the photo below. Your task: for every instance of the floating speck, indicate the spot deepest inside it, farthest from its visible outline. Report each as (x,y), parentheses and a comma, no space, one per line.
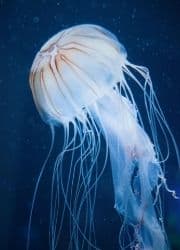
(36,19)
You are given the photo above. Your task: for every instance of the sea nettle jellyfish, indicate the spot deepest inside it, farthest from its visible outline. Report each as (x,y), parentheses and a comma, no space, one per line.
(80,79)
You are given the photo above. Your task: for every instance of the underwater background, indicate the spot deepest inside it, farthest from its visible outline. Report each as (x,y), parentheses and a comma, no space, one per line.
(150,32)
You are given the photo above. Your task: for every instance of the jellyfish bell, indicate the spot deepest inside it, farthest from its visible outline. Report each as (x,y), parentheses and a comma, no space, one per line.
(74,69)
(74,80)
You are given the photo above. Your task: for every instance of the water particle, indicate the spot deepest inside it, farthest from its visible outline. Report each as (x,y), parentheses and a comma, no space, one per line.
(36,19)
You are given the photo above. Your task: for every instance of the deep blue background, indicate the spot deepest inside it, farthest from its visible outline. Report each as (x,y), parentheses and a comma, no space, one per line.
(150,31)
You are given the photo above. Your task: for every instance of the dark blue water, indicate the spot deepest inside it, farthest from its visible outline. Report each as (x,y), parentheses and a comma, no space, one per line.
(150,31)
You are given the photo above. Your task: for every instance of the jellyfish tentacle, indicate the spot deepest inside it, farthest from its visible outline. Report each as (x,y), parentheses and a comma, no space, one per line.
(73,213)
(37,187)
(154,110)
(86,190)
(58,165)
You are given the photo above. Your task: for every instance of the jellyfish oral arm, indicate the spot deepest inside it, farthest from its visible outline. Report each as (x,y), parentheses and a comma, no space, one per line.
(135,170)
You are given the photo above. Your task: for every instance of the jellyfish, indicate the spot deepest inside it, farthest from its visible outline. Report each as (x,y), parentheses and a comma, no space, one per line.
(82,82)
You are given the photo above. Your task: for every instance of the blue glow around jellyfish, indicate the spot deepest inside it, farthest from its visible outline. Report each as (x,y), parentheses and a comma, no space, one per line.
(79,80)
